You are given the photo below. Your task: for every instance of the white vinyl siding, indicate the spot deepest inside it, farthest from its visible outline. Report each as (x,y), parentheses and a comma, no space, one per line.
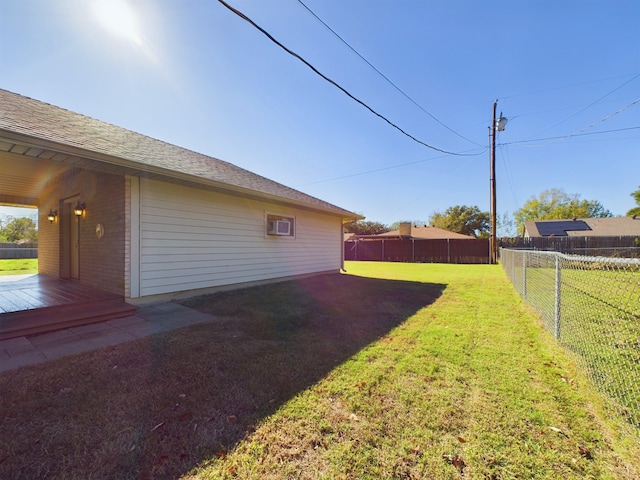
(192,238)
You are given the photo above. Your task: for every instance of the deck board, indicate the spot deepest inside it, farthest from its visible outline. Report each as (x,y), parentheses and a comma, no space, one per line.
(6,305)
(38,303)
(28,297)
(39,291)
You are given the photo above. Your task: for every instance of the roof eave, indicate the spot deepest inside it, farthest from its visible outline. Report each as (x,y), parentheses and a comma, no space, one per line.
(131,167)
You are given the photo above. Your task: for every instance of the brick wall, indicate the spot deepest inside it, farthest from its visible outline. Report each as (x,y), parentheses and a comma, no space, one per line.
(102,260)
(48,236)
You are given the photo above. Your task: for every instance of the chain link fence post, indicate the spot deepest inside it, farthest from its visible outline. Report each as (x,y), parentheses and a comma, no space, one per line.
(558,298)
(591,306)
(524,275)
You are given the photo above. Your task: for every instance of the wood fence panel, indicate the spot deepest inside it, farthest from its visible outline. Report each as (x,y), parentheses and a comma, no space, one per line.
(18,250)
(417,250)
(432,251)
(469,251)
(397,250)
(621,246)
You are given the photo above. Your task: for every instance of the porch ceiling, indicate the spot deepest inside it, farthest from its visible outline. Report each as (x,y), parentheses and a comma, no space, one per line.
(24,172)
(26,169)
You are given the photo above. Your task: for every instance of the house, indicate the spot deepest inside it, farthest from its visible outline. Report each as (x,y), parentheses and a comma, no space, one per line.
(128,214)
(417,244)
(409,230)
(583,227)
(348,236)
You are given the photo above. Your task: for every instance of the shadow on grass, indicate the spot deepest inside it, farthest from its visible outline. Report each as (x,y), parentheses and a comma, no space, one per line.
(158,407)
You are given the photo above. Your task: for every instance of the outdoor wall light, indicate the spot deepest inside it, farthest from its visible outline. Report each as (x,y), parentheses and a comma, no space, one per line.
(52,215)
(79,209)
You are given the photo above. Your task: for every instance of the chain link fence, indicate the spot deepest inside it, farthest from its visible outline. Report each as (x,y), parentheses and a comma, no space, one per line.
(592,307)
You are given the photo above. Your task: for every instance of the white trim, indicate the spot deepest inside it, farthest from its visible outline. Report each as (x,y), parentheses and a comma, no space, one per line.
(134,215)
(284,216)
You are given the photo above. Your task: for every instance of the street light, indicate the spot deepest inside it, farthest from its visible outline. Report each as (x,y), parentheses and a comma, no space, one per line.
(497,124)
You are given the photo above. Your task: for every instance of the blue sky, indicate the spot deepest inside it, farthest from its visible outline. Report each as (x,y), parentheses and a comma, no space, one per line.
(565,73)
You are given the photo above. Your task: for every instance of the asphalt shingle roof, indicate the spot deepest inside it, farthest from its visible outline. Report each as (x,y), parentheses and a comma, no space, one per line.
(597,227)
(33,118)
(432,233)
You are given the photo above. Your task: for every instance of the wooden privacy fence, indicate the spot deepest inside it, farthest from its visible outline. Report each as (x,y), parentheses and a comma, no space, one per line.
(18,250)
(417,250)
(613,246)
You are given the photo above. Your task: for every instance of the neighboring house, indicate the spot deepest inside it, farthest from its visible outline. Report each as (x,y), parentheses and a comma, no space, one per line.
(155,221)
(583,227)
(410,231)
(349,236)
(417,244)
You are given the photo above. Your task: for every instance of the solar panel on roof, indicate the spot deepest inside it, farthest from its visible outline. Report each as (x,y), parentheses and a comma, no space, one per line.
(561,227)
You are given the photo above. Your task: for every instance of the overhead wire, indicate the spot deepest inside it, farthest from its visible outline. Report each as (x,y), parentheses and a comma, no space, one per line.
(565,136)
(338,86)
(381,169)
(591,104)
(573,85)
(503,149)
(387,79)
(579,132)
(444,152)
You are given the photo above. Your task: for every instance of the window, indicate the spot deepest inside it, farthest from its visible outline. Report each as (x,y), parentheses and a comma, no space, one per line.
(278,225)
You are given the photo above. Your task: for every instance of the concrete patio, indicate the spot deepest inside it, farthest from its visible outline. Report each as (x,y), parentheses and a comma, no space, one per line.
(29,350)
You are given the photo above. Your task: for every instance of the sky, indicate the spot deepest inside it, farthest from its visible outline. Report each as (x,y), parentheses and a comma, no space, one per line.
(410,138)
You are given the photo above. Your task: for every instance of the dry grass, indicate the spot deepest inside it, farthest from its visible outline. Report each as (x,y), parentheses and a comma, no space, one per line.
(428,371)
(157,407)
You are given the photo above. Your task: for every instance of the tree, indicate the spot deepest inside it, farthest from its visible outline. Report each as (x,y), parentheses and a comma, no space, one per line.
(506,226)
(635,210)
(463,219)
(556,204)
(362,227)
(20,229)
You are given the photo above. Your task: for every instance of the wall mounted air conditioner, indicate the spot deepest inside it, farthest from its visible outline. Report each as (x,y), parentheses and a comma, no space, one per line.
(279,227)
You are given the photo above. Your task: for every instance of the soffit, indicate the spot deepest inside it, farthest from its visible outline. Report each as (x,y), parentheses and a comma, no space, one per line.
(24,172)
(26,169)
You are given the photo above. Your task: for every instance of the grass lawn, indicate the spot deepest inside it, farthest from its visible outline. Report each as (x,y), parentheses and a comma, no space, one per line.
(599,321)
(18,267)
(390,371)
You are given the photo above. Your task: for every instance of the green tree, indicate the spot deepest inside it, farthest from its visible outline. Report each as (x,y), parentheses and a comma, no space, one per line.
(463,219)
(635,210)
(20,229)
(556,204)
(362,227)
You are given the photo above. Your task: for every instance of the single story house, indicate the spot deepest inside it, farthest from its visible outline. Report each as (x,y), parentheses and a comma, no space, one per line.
(408,230)
(125,213)
(412,243)
(583,227)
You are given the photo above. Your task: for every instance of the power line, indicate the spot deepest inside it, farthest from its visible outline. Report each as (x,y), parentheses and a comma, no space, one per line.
(563,137)
(592,103)
(503,151)
(381,169)
(383,75)
(335,84)
(573,85)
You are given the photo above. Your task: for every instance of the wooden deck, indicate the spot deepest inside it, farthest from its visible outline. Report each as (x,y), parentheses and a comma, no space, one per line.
(38,304)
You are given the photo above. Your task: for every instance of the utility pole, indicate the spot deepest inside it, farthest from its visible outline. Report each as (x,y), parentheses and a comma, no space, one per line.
(497,124)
